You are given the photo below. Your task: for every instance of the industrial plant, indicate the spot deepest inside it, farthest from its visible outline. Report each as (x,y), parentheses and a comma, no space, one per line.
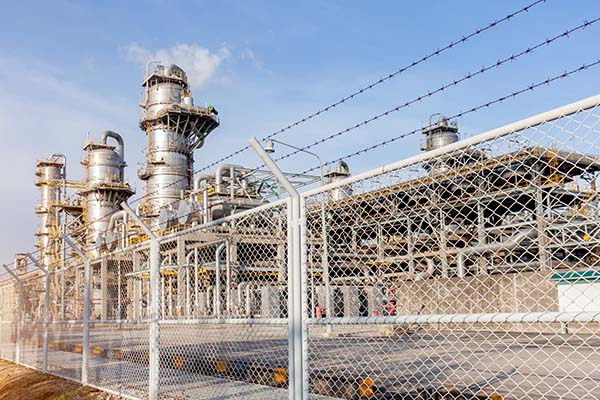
(503,223)
(464,215)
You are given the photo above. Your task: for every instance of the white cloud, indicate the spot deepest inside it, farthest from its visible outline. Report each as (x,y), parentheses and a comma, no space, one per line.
(199,63)
(249,55)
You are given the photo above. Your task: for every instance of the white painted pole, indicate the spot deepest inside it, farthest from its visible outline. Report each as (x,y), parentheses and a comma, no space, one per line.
(154,309)
(85,351)
(295,305)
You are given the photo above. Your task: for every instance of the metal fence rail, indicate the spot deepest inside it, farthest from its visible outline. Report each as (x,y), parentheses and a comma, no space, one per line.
(467,272)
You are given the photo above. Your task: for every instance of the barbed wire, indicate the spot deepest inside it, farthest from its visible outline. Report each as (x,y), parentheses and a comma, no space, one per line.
(488,104)
(456,82)
(528,88)
(378,82)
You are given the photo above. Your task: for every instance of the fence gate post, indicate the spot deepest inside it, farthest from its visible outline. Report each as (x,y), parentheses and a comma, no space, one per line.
(303,272)
(154,305)
(85,351)
(298,387)
(19,312)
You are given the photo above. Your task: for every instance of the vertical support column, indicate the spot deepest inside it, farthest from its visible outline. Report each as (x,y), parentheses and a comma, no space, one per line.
(410,243)
(541,223)
(85,351)
(137,288)
(154,308)
(119,290)
(227,279)
(481,241)
(303,312)
(181,279)
(329,312)
(218,278)
(77,299)
(443,239)
(154,328)
(87,309)
(104,289)
(196,290)
(298,387)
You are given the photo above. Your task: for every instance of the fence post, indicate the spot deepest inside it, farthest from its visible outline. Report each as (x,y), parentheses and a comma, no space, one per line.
(303,273)
(298,387)
(154,305)
(36,262)
(19,312)
(85,351)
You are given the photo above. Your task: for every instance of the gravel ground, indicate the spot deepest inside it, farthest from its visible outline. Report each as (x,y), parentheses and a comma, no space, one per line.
(20,383)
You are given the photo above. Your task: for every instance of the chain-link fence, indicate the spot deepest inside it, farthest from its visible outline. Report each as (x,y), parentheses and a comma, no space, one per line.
(467,272)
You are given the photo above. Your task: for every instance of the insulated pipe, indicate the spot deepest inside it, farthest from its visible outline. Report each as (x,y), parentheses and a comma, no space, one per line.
(428,272)
(209,292)
(419,276)
(188,262)
(240,287)
(248,301)
(241,202)
(198,179)
(221,169)
(116,216)
(196,294)
(217,297)
(120,148)
(228,280)
(507,245)
(203,178)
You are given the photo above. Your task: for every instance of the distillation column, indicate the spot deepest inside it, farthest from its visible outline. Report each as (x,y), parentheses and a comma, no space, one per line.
(50,174)
(105,189)
(174,128)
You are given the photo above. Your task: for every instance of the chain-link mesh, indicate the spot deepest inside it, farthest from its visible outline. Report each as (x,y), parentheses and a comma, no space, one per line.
(118,342)
(8,316)
(470,273)
(33,316)
(224,308)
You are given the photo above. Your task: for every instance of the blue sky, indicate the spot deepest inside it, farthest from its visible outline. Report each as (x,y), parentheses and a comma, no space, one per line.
(73,68)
